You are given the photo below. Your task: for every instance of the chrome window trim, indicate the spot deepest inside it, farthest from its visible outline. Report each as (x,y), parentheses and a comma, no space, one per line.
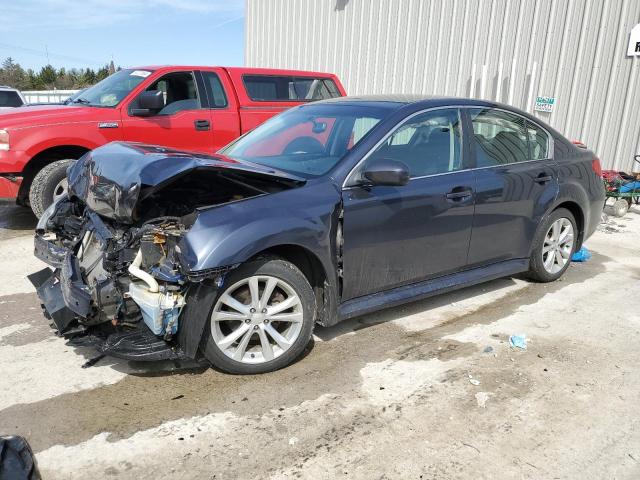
(550,142)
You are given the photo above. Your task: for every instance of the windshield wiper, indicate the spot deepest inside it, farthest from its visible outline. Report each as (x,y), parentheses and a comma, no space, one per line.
(81,100)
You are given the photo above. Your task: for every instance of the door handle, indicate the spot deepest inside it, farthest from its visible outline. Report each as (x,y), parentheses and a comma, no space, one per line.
(543,178)
(458,194)
(202,124)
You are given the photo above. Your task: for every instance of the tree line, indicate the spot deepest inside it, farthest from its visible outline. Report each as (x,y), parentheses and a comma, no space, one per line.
(49,78)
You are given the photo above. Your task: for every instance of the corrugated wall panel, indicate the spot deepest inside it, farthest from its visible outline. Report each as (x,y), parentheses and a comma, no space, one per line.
(505,50)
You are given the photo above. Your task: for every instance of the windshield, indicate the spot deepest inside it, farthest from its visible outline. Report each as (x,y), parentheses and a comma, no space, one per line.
(308,140)
(110,91)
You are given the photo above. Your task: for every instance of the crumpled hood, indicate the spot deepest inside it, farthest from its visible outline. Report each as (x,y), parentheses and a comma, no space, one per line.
(112,179)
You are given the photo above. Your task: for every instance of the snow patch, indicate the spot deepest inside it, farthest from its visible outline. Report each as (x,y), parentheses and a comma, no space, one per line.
(394,381)
(41,370)
(11,329)
(175,438)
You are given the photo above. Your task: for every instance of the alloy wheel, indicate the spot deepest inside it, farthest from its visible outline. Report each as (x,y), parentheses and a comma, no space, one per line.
(557,246)
(257,319)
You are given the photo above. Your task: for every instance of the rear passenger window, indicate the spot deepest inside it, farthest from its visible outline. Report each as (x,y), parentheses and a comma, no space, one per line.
(215,91)
(428,144)
(499,137)
(278,88)
(538,142)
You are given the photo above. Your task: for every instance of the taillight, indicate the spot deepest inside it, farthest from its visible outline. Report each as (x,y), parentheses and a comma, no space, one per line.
(597,168)
(578,143)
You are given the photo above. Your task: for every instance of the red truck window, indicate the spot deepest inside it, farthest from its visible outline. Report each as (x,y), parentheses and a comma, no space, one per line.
(286,88)
(179,91)
(214,89)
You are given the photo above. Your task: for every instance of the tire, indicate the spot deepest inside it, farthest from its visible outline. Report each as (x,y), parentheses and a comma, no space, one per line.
(540,272)
(288,284)
(620,208)
(47,185)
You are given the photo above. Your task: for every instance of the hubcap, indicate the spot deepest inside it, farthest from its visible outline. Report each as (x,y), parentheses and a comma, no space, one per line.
(257,319)
(60,189)
(558,244)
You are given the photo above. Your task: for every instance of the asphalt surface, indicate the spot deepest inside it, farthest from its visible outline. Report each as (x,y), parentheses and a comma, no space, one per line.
(428,390)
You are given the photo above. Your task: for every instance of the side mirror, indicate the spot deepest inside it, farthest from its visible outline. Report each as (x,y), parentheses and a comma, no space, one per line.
(149,103)
(386,171)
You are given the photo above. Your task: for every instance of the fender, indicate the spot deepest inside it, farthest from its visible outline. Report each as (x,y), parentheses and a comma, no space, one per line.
(237,232)
(233,233)
(48,143)
(571,191)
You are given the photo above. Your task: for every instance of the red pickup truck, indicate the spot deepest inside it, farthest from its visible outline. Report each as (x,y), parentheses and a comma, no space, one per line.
(199,109)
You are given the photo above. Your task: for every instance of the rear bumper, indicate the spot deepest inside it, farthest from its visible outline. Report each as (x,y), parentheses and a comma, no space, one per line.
(594,217)
(9,186)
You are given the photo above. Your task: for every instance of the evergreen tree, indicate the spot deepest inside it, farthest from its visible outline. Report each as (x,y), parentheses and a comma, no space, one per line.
(48,78)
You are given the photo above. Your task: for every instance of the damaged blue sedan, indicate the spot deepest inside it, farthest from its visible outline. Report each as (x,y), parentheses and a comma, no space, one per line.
(327,211)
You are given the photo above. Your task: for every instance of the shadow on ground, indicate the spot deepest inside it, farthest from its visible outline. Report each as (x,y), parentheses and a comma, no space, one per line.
(15,220)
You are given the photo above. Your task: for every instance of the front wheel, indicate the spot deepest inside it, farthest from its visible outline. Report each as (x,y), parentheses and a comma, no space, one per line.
(48,185)
(553,246)
(261,319)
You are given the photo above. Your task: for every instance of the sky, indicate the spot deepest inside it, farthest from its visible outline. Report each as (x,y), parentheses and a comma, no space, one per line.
(89,33)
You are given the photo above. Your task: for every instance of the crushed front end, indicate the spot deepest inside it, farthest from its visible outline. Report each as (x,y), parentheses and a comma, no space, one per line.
(118,280)
(117,288)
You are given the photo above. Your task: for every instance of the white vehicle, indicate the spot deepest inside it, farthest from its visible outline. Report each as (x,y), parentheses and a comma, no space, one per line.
(10,98)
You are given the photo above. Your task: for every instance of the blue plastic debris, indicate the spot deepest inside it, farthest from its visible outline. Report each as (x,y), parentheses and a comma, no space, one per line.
(581,255)
(518,341)
(630,187)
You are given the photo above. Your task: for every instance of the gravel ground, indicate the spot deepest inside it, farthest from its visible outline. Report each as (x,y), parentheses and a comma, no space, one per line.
(430,390)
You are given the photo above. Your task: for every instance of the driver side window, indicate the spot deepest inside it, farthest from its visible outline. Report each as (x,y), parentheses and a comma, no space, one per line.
(179,92)
(429,144)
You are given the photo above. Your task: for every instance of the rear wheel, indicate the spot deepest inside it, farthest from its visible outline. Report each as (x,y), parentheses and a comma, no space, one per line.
(261,320)
(553,246)
(48,185)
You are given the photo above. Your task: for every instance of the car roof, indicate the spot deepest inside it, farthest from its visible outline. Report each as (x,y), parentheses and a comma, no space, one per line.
(4,87)
(407,99)
(415,102)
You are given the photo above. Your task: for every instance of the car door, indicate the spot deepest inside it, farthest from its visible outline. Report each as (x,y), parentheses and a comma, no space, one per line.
(394,236)
(516,181)
(224,114)
(184,122)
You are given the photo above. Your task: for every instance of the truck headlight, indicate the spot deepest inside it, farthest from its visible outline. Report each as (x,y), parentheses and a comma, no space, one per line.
(4,140)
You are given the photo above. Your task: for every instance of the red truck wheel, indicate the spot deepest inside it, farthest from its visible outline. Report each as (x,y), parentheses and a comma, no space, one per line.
(48,184)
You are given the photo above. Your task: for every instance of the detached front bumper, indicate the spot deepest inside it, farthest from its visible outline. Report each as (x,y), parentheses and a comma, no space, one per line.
(66,299)
(49,286)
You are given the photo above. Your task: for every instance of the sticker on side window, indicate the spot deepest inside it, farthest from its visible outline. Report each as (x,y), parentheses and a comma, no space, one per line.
(140,73)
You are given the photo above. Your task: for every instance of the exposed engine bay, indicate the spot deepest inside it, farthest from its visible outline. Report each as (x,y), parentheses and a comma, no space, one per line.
(120,282)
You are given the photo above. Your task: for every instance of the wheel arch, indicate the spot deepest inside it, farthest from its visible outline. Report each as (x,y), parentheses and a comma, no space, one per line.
(313,269)
(44,158)
(578,215)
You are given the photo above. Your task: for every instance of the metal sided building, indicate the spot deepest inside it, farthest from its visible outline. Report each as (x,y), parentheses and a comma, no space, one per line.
(570,62)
